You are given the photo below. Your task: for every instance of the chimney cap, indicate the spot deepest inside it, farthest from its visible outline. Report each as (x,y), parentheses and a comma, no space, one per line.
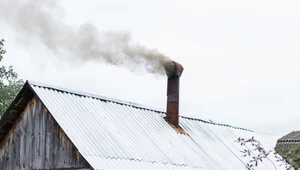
(177,70)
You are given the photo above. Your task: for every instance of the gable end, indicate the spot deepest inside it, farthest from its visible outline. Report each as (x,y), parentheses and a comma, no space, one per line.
(36,141)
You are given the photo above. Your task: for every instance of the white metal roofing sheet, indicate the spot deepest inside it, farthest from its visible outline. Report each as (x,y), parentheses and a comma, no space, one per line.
(111,134)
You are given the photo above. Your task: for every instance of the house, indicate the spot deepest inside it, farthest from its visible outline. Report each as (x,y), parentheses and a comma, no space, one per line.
(48,127)
(287,143)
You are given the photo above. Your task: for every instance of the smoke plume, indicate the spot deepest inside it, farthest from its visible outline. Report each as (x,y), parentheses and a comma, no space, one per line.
(42,19)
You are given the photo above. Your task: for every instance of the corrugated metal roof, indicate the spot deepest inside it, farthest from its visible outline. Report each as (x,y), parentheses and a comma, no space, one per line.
(111,134)
(288,142)
(292,136)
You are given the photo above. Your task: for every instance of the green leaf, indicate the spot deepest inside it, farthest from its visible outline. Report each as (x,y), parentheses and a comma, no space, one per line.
(10,84)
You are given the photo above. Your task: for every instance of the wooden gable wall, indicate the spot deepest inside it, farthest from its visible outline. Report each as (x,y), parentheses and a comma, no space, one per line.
(37,142)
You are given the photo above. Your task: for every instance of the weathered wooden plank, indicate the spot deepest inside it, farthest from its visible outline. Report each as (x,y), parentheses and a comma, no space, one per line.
(37,142)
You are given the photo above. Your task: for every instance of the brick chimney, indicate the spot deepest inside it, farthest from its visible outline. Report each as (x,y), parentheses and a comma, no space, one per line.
(173,95)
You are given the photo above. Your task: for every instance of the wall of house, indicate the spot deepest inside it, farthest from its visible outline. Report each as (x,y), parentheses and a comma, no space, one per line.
(37,142)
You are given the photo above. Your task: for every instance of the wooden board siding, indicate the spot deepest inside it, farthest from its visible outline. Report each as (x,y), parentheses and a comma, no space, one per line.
(37,142)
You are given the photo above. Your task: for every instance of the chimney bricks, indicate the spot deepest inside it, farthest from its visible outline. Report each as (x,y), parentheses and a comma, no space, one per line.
(173,95)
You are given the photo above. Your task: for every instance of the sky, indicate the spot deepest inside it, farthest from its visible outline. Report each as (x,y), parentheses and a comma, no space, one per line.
(241,58)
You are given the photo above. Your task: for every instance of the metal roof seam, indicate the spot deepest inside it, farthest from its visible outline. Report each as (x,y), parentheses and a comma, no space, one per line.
(141,160)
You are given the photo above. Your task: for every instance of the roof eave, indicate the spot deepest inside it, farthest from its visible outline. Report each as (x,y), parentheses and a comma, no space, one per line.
(13,112)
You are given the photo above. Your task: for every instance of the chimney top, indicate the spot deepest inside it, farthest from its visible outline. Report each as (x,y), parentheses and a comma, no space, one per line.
(177,70)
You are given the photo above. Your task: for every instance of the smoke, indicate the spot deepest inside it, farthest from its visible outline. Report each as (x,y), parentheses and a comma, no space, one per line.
(42,19)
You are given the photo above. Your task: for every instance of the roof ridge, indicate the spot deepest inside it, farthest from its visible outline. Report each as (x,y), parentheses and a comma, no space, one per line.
(123,102)
(214,123)
(85,94)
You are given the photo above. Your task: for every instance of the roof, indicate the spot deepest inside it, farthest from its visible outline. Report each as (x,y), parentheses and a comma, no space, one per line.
(288,142)
(293,136)
(113,134)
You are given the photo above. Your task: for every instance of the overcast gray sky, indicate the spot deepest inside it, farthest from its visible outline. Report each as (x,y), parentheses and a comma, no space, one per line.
(241,58)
